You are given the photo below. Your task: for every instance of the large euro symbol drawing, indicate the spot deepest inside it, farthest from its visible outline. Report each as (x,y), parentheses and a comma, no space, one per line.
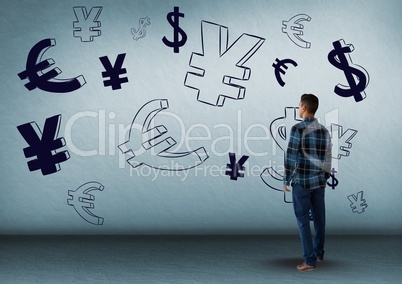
(149,145)
(294,29)
(45,80)
(82,201)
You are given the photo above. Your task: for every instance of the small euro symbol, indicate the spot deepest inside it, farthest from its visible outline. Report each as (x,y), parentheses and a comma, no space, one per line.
(278,69)
(82,200)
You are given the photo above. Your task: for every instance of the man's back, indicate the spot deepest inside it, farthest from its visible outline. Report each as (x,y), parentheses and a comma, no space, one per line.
(309,154)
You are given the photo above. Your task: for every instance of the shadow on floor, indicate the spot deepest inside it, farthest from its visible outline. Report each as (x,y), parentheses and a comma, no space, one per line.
(292,262)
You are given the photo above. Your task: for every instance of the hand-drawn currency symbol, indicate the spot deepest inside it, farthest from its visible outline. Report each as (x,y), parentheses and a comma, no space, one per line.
(281,126)
(274,180)
(114,72)
(82,201)
(173,19)
(357,203)
(141,31)
(35,67)
(278,69)
(334,181)
(148,144)
(44,146)
(219,66)
(87,25)
(341,140)
(234,168)
(280,132)
(340,58)
(294,29)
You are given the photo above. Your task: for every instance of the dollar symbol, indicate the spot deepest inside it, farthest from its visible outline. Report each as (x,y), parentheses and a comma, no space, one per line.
(82,200)
(280,127)
(334,182)
(141,32)
(173,19)
(338,58)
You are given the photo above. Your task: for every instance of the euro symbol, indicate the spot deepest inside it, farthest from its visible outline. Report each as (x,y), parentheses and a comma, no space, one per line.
(294,29)
(82,201)
(153,146)
(46,81)
(278,69)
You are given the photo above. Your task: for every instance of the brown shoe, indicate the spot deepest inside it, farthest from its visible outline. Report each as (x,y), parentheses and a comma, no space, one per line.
(320,259)
(304,267)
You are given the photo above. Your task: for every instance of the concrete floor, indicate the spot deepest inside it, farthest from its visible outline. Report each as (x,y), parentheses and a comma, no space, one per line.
(195,259)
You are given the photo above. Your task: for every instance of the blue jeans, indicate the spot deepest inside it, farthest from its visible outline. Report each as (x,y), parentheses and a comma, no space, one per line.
(304,201)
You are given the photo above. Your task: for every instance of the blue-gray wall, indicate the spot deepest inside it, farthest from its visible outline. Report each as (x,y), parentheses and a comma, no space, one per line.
(96,119)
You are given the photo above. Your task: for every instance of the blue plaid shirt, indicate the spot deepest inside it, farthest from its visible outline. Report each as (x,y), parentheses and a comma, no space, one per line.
(308,156)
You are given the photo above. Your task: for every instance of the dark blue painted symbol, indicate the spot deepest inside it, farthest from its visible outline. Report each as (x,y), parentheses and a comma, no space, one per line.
(82,201)
(173,19)
(114,72)
(47,81)
(334,181)
(338,58)
(278,69)
(235,168)
(44,146)
(87,25)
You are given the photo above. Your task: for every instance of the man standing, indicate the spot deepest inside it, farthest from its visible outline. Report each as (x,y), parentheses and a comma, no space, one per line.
(307,168)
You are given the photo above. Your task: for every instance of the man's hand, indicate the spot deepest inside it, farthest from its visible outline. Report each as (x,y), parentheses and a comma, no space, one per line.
(285,188)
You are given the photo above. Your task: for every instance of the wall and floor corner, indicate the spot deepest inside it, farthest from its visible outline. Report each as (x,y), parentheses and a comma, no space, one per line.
(154,131)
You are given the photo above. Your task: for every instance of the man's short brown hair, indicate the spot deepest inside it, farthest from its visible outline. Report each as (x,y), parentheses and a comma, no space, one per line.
(310,101)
